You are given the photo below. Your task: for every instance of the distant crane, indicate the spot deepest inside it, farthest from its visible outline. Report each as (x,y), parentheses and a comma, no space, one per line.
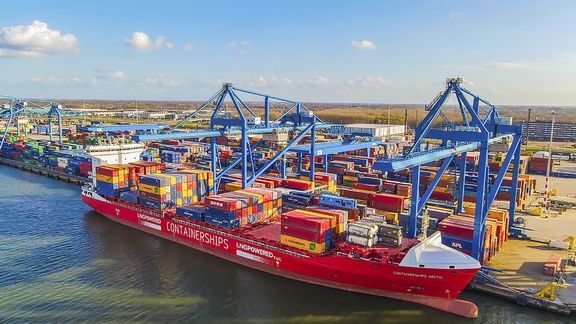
(13,108)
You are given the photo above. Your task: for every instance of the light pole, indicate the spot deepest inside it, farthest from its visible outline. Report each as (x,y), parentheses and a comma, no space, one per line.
(388,121)
(528,126)
(546,186)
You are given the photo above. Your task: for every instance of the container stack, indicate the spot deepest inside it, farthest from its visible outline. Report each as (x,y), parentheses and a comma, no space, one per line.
(111,180)
(306,231)
(328,180)
(296,200)
(171,157)
(374,230)
(156,191)
(341,203)
(362,233)
(458,231)
(203,182)
(169,190)
(60,157)
(243,207)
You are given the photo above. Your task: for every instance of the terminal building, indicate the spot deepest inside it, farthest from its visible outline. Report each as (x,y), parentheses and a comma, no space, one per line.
(540,131)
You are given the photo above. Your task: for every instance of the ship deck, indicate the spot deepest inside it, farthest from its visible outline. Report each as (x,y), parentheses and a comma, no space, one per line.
(271,233)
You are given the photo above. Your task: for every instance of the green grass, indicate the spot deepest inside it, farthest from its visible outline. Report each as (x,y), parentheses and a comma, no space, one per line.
(533,149)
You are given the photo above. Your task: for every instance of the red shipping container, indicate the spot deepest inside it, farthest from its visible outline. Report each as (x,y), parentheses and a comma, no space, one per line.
(339,214)
(277,181)
(312,223)
(103,170)
(356,194)
(85,167)
(222,203)
(457,230)
(388,202)
(336,170)
(365,186)
(298,184)
(303,233)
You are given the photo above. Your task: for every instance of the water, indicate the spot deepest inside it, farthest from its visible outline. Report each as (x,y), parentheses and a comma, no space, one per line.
(62,262)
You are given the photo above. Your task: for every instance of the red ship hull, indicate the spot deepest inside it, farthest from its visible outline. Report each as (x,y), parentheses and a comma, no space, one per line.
(436,288)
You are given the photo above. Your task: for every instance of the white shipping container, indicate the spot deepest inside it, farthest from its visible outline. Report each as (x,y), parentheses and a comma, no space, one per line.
(62,161)
(376,130)
(359,240)
(365,230)
(557,244)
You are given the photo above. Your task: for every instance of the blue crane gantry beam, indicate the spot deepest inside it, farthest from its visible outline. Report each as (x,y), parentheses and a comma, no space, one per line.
(215,133)
(124,128)
(476,133)
(420,158)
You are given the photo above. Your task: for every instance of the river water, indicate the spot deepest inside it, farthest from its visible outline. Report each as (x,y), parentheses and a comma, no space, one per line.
(62,262)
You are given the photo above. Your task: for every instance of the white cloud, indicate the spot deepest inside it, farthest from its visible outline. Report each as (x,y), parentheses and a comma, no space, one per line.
(510,66)
(188,47)
(159,80)
(142,42)
(271,82)
(496,66)
(11,53)
(368,82)
(55,81)
(318,82)
(363,45)
(34,40)
(118,75)
(105,74)
(239,46)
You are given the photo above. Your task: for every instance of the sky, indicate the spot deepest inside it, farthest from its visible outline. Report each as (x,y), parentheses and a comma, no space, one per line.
(508,52)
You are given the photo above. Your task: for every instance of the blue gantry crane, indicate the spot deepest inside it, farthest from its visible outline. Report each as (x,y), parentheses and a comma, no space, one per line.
(242,120)
(12,107)
(474,133)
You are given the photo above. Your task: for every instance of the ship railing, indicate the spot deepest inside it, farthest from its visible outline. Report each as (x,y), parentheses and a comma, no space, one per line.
(351,255)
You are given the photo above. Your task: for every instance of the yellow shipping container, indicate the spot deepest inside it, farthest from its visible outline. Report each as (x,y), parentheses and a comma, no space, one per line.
(493,213)
(153,189)
(232,186)
(341,228)
(302,244)
(391,217)
(107,179)
(350,178)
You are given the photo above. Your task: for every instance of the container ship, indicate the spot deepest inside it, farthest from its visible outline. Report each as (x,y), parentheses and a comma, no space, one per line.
(319,243)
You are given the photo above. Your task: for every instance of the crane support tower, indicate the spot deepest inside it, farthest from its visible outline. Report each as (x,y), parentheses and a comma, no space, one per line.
(477,132)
